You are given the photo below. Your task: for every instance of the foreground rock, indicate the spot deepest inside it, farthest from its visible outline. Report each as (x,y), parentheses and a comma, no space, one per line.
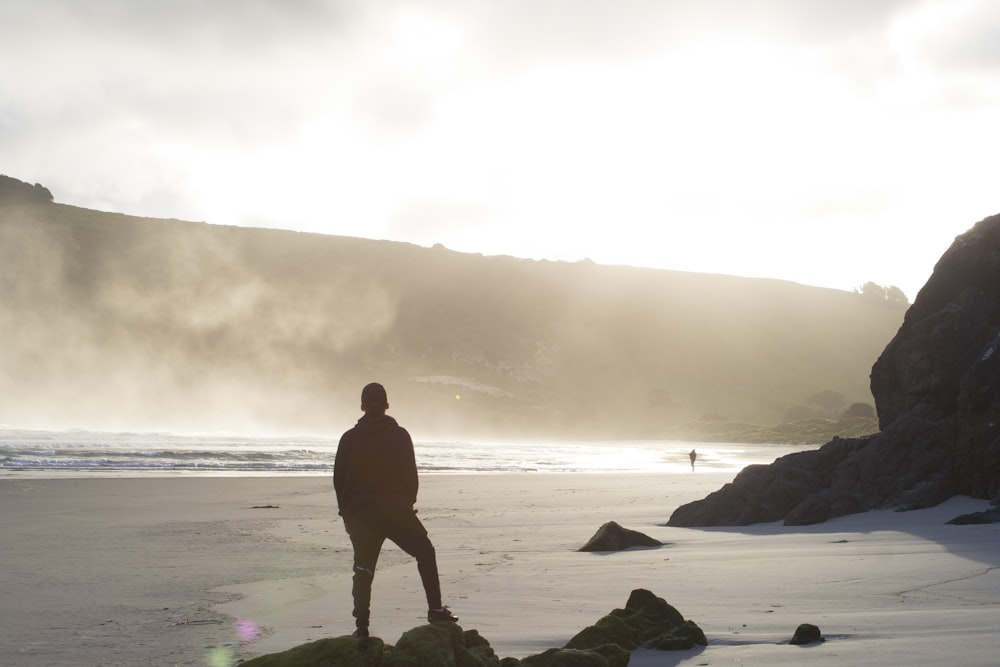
(341,651)
(937,392)
(608,655)
(612,537)
(646,621)
(441,644)
(444,644)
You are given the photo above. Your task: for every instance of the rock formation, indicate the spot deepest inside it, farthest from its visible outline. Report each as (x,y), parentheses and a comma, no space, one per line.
(646,620)
(613,537)
(937,392)
(341,651)
(807,633)
(991,515)
(431,644)
(608,655)
(13,191)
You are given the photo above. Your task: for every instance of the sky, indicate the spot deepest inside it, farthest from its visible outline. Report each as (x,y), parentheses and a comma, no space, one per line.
(826,142)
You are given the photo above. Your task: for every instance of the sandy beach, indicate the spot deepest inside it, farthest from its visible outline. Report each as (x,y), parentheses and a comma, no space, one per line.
(185,570)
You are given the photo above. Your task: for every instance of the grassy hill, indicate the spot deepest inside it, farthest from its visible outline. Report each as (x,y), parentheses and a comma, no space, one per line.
(113,321)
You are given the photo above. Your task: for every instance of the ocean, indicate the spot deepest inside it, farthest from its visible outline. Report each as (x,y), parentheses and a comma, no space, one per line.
(78,453)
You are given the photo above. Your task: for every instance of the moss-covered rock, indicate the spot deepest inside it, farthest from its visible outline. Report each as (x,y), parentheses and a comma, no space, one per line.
(479,649)
(644,609)
(608,630)
(646,621)
(679,638)
(441,645)
(607,655)
(330,652)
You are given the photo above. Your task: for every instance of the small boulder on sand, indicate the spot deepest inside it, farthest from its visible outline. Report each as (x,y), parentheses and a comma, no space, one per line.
(612,537)
(807,633)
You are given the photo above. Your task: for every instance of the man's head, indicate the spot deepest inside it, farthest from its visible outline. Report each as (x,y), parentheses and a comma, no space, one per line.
(373,398)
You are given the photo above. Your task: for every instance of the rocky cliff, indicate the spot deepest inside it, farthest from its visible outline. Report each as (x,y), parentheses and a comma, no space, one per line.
(937,392)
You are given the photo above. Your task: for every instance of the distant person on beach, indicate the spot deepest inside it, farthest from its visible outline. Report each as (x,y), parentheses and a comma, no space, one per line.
(375,477)
(692,455)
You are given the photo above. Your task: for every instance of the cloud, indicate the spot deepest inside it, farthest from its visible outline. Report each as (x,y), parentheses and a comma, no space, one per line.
(957,35)
(167,328)
(492,127)
(531,33)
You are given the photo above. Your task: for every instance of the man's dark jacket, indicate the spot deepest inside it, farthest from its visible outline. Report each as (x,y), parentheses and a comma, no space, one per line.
(375,467)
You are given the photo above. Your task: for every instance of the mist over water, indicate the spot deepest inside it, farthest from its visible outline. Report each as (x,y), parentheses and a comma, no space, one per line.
(171,330)
(117,323)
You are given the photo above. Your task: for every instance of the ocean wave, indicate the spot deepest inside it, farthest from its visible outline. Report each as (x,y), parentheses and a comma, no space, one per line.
(89,452)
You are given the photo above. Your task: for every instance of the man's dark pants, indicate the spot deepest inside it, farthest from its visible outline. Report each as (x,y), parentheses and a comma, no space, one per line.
(368,530)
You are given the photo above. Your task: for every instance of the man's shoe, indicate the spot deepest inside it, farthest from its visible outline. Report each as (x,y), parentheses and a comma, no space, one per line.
(442,614)
(360,633)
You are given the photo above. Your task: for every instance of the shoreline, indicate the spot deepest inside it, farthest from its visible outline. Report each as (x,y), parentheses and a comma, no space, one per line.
(92,454)
(155,570)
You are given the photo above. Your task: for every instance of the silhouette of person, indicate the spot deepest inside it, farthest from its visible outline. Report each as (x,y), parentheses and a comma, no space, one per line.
(692,455)
(375,479)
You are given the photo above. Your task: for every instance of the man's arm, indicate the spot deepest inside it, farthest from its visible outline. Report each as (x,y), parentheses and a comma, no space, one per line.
(412,482)
(341,475)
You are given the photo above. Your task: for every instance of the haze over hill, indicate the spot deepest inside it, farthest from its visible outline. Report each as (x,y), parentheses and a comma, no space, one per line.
(117,322)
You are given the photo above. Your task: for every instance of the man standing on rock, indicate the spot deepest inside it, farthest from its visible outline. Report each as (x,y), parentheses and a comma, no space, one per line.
(375,478)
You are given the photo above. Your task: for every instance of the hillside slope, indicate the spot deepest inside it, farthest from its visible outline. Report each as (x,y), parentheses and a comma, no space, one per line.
(113,321)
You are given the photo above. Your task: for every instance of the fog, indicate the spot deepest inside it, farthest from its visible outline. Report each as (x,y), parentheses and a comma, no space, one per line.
(121,323)
(176,331)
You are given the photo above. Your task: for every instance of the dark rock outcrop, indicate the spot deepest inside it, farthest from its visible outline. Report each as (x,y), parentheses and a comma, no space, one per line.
(991,515)
(613,537)
(807,633)
(937,392)
(646,621)
(341,651)
(13,191)
(431,644)
(608,655)
(441,644)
